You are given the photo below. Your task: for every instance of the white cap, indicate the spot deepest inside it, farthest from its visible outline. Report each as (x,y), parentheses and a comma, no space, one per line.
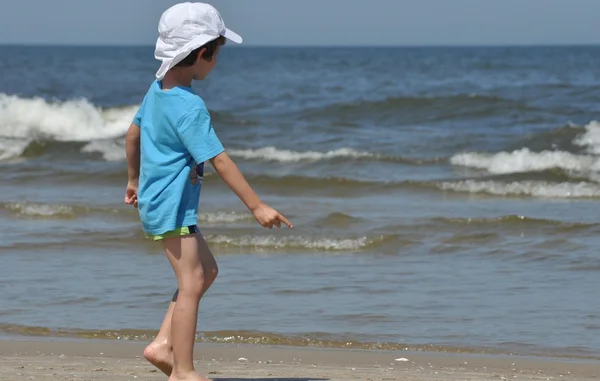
(185,27)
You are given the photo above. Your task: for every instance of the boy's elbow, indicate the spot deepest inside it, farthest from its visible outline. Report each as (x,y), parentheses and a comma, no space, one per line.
(221,162)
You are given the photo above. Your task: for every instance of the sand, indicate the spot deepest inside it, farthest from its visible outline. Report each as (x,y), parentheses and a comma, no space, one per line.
(113,360)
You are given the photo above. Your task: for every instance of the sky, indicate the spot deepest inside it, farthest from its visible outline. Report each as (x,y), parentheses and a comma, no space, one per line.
(313,22)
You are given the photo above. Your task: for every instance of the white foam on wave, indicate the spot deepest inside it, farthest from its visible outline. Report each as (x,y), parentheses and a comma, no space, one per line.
(75,120)
(524,160)
(25,119)
(224,217)
(291,242)
(11,148)
(525,188)
(39,210)
(590,138)
(288,156)
(114,151)
(111,150)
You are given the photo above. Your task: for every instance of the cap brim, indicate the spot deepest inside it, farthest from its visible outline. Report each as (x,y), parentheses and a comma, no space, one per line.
(169,62)
(231,35)
(164,68)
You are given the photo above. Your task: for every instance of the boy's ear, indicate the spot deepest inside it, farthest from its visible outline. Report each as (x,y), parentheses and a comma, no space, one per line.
(200,53)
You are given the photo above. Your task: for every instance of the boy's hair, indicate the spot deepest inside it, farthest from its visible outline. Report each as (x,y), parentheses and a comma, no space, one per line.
(211,48)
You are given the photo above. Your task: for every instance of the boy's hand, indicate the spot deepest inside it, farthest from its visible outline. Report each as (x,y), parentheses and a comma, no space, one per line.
(269,217)
(131,194)
(229,172)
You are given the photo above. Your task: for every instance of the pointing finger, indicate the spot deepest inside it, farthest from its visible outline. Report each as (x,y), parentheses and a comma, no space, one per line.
(281,218)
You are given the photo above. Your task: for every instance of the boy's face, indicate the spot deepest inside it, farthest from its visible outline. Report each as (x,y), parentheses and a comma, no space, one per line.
(203,67)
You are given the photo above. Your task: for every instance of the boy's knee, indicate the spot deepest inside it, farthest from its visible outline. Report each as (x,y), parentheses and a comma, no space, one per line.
(202,278)
(193,283)
(212,273)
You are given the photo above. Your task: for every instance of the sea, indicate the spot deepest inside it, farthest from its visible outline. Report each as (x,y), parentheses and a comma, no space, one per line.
(443,198)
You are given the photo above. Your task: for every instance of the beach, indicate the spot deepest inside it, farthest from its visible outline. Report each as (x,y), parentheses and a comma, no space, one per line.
(101,360)
(444,200)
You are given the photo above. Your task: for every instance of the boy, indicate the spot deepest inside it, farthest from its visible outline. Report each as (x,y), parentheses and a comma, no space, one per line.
(166,145)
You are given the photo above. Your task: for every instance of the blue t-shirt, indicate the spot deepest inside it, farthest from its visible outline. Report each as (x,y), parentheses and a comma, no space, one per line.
(177,137)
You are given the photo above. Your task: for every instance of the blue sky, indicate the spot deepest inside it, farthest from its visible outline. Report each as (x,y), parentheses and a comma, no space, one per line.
(314,22)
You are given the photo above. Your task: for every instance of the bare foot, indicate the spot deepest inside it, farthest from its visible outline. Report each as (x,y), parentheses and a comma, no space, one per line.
(160,354)
(192,376)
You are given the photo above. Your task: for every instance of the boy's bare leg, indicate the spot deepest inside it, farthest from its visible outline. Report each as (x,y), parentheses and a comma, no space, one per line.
(160,352)
(195,269)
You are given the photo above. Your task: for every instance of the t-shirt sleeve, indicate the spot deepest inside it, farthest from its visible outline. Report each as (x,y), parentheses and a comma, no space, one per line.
(198,136)
(137,119)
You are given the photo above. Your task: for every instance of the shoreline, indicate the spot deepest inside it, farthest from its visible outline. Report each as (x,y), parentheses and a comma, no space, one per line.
(265,339)
(101,359)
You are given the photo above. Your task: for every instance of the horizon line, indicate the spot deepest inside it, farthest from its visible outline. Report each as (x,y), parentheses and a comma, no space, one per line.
(292,46)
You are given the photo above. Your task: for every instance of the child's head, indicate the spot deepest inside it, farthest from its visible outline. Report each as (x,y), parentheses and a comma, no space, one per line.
(190,37)
(202,60)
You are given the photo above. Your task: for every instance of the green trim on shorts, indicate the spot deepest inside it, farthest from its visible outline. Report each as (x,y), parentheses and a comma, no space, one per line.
(179,232)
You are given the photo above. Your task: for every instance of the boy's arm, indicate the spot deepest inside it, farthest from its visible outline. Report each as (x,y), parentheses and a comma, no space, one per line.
(231,175)
(196,132)
(132,152)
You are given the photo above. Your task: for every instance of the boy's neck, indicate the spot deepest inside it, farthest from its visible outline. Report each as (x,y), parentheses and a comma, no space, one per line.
(176,78)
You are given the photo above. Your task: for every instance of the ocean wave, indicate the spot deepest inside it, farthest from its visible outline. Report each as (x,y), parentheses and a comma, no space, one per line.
(115,151)
(287,156)
(440,107)
(541,189)
(39,210)
(112,150)
(545,184)
(279,184)
(26,120)
(297,242)
(590,139)
(558,139)
(275,154)
(224,217)
(12,148)
(74,120)
(525,160)
(59,211)
(509,220)
(327,185)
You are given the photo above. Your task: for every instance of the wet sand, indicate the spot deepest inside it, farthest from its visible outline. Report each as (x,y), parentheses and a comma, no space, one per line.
(109,360)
